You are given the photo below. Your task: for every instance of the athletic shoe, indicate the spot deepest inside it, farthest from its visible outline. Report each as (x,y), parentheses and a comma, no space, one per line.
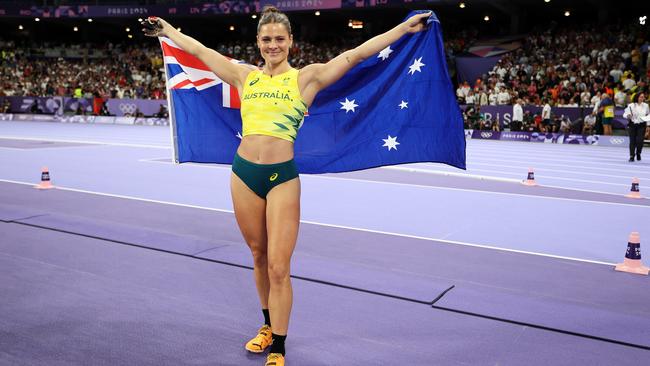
(638,157)
(262,340)
(631,159)
(274,359)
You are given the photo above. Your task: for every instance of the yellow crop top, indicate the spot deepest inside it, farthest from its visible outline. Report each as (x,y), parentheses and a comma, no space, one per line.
(272,106)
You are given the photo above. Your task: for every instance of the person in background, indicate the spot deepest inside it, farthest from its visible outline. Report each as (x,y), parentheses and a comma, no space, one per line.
(546,117)
(517,116)
(637,114)
(607,109)
(589,123)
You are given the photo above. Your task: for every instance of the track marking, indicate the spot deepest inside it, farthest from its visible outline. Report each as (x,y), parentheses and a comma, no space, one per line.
(455,242)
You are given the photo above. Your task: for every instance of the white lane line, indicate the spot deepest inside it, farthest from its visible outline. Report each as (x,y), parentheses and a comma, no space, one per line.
(493,247)
(571,172)
(89,142)
(451,174)
(508,180)
(555,163)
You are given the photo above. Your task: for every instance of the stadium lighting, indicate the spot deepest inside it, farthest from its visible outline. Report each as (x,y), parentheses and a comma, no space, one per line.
(350,24)
(20,27)
(178,29)
(130,36)
(486,18)
(37,19)
(461,5)
(90,20)
(140,20)
(232,28)
(75,29)
(643,19)
(567,13)
(317,13)
(254,16)
(127,29)
(547,1)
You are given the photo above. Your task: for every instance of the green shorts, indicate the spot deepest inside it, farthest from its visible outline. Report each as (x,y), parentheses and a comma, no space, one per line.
(261,178)
(607,121)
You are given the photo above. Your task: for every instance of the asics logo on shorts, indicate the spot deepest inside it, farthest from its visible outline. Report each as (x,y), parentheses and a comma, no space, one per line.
(273,177)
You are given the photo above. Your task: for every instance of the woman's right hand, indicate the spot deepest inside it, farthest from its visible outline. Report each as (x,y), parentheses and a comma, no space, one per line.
(155,27)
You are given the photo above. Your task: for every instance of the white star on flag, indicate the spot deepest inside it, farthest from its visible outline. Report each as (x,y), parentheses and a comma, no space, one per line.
(403,105)
(239,135)
(416,66)
(348,105)
(385,53)
(391,142)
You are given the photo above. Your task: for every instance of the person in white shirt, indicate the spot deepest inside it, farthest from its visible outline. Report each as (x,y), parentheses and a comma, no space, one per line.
(638,115)
(546,117)
(517,116)
(503,97)
(620,98)
(589,123)
(629,83)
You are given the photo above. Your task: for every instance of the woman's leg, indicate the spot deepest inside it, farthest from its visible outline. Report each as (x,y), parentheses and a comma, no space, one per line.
(250,212)
(282,221)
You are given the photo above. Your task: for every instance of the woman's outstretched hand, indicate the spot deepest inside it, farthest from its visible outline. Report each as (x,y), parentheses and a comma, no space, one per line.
(154,27)
(416,23)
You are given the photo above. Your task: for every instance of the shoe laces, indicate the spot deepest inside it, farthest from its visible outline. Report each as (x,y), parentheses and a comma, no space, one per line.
(274,356)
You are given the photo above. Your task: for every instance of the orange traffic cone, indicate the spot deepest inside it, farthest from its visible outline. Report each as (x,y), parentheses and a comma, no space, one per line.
(530,179)
(634,190)
(45,180)
(632,262)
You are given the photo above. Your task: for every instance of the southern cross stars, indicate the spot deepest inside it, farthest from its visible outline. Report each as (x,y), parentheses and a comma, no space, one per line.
(403,105)
(391,142)
(385,53)
(348,105)
(416,66)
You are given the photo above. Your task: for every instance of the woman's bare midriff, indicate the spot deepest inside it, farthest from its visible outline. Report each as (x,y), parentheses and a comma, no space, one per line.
(261,149)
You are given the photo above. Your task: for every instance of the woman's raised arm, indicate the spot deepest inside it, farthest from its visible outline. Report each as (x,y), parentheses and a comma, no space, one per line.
(227,71)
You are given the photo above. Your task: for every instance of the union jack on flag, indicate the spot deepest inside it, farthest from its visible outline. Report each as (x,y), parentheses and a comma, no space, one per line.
(398,107)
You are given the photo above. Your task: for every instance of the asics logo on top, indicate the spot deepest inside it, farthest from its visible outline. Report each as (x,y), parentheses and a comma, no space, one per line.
(253,82)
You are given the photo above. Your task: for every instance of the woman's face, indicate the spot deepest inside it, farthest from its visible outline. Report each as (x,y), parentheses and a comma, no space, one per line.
(641,97)
(274,42)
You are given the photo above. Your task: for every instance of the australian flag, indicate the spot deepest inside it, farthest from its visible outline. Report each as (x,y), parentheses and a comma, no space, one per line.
(396,107)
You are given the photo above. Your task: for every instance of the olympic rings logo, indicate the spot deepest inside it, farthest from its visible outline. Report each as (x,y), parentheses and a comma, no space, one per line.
(616,140)
(128,108)
(486,135)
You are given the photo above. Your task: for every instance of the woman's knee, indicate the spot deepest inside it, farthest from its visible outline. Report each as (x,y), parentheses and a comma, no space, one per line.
(259,255)
(278,271)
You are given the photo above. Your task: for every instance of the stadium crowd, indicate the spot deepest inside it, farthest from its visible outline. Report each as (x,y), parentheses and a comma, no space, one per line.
(555,67)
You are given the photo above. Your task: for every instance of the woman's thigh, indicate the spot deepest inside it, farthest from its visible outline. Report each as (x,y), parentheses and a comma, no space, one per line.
(250,212)
(282,221)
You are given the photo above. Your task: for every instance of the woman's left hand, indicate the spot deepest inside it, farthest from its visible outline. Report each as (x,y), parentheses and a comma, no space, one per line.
(416,23)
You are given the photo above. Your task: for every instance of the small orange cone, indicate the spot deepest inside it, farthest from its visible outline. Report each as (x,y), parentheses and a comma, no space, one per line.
(530,179)
(634,190)
(632,262)
(45,180)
